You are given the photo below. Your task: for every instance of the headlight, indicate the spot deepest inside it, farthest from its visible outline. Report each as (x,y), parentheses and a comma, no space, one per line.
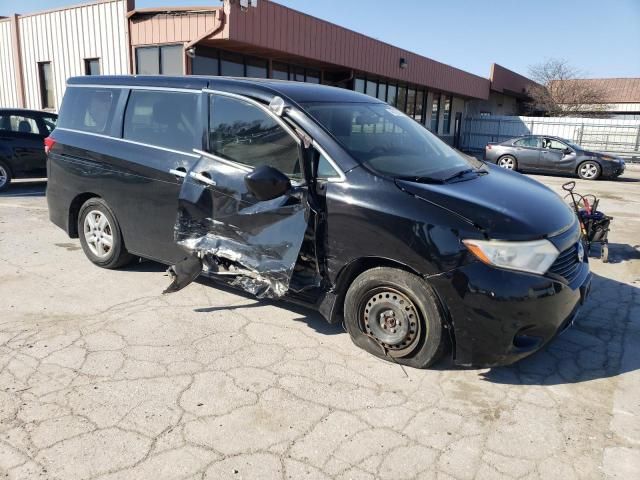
(534,257)
(608,157)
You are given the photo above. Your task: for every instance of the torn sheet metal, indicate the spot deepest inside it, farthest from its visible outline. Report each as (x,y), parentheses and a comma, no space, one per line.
(234,235)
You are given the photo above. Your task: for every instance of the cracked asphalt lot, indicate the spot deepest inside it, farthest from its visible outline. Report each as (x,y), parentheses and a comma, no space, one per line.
(102,377)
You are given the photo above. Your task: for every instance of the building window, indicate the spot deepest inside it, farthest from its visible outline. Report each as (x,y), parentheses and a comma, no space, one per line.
(411,103)
(257,68)
(419,106)
(280,71)
(435,113)
(382,91)
(446,118)
(359,85)
(92,66)
(205,62)
(231,64)
(313,76)
(392,92)
(162,60)
(372,88)
(485,114)
(402,98)
(46,85)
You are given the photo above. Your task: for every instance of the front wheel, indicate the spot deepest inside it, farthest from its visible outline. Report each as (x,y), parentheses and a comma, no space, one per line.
(589,170)
(395,315)
(508,163)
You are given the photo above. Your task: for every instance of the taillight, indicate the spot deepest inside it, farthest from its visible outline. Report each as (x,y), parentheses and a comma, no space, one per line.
(49,142)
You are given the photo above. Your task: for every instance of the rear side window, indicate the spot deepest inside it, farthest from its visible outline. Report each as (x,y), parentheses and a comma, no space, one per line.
(18,124)
(164,119)
(244,133)
(528,142)
(88,109)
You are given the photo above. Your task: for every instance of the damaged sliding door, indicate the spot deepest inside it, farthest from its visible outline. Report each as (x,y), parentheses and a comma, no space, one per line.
(239,215)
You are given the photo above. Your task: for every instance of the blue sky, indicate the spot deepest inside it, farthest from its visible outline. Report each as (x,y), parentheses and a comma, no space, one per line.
(601,38)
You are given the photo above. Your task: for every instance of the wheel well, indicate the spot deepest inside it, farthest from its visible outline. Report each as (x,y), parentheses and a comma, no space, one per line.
(349,272)
(6,164)
(74,211)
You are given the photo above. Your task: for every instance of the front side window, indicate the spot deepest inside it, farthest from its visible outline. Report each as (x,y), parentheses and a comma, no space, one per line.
(244,133)
(388,141)
(49,123)
(88,109)
(18,124)
(163,119)
(46,85)
(553,144)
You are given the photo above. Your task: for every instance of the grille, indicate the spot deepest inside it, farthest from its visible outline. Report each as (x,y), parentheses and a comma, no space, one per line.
(567,264)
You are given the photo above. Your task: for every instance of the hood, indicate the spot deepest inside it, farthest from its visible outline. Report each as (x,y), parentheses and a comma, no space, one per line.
(506,205)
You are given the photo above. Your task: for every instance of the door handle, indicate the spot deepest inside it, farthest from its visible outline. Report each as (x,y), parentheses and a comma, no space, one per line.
(178,172)
(202,178)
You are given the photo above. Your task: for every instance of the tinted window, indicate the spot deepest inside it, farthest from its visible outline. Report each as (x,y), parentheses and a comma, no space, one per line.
(280,71)
(244,133)
(435,113)
(88,109)
(256,68)
(165,119)
(171,60)
(527,142)
(231,64)
(18,124)
(205,64)
(446,118)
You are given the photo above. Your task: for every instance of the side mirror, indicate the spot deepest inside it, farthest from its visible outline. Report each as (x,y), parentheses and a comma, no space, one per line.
(567,151)
(267,183)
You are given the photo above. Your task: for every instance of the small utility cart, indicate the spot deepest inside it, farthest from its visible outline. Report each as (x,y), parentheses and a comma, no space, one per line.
(595,224)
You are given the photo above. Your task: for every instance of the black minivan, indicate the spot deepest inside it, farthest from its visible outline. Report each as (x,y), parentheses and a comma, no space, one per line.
(325,197)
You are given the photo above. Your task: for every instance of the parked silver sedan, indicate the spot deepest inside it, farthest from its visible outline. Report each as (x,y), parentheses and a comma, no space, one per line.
(541,153)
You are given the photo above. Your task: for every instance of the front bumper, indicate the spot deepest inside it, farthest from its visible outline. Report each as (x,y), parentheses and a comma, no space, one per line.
(499,316)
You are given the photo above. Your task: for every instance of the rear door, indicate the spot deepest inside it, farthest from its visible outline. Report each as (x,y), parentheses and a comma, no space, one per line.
(21,136)
(527,152)
(220,220)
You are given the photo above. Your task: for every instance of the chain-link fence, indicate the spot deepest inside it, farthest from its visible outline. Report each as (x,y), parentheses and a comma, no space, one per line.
(620,137)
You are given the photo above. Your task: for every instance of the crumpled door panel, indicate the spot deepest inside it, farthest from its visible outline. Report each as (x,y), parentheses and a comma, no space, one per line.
(233,234)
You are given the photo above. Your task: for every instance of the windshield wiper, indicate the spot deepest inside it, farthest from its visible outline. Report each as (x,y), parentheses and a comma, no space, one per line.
(462,173)
(419,179)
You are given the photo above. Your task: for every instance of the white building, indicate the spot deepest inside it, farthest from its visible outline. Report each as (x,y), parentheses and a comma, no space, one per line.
(39,51)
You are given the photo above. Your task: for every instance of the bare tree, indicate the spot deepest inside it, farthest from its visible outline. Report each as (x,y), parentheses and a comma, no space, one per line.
(560,91)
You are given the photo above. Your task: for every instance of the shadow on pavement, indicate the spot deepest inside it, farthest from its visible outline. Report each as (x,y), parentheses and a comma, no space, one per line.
(590,349)
(618,252)
(36,188)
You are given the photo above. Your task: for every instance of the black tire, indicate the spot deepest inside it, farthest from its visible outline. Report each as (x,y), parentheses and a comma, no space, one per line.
(116,255)
(5,176)
(423,345)
(589,170)
(508,158)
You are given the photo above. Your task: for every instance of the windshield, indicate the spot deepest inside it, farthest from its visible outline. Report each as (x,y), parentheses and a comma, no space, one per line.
(388,141)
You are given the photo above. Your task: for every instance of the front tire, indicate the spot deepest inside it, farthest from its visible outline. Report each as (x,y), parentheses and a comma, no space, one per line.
(5,176)
(394,315)
(508,162)
(100,235)
(589,170)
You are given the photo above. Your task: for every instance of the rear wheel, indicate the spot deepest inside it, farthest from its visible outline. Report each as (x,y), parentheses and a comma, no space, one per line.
(5,176)
(508,162)
(100,235)
(589,170)
(395,315)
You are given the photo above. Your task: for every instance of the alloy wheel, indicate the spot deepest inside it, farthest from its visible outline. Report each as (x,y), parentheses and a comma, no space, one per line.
(589,170)
(507,162)
(392,320)
(4,176)
(98,233)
